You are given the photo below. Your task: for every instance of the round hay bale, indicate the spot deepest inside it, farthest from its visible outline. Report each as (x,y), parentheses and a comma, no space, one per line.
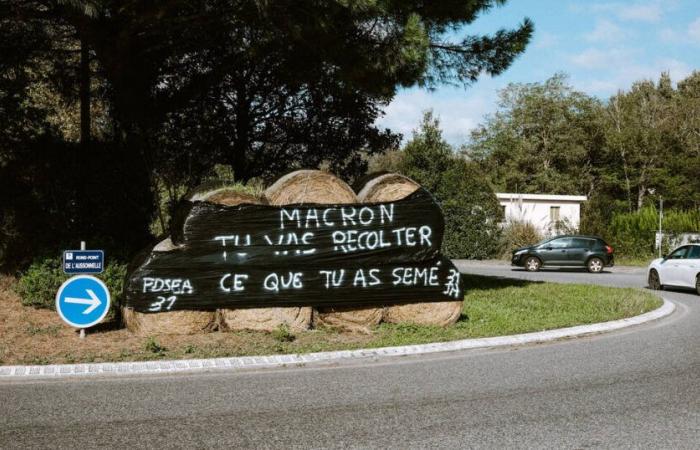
(227,196)
(391,187)
(169,322)
(315,186)
(348,318)
(309,186)
(263,319)
(387,187)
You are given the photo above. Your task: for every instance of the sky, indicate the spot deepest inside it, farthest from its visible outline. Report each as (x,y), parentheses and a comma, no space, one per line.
(603,46)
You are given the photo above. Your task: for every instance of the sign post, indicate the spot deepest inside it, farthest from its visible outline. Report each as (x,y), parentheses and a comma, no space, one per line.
(83,301)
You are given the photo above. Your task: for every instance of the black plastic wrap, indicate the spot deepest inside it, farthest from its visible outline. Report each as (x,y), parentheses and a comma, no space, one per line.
(298,255)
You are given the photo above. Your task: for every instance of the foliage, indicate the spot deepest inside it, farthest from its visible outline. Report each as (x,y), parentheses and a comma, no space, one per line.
(39,283)
(518,233)
(633,234)
(389,161)
(626,154)
(176,88)
(282,334)
(153,346)
(472,212)
(543,139)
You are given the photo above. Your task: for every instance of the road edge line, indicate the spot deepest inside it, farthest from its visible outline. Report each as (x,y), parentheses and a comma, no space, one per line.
(279,361)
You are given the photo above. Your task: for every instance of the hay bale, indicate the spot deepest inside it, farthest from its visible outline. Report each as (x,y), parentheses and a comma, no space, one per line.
(169,322)
(348,318)
(264,319)
(309,186)
(391,187)
(315,186)
(387,187)
(226,196)
(429,313)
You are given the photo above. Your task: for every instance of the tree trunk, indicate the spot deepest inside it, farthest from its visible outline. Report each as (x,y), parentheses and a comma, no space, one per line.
(84,94)
(239,158)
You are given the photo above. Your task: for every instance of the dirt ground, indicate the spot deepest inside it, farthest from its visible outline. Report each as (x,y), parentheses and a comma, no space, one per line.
(38,336)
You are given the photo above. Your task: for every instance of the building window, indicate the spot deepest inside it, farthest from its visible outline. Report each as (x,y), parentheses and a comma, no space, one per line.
(555,217)
(503,210)
(554,213)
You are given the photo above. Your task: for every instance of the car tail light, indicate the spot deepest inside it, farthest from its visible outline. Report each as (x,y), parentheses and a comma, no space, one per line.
(609,249)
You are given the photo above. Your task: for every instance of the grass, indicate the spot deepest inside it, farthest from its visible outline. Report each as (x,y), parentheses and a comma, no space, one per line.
(492,307)
(635,261)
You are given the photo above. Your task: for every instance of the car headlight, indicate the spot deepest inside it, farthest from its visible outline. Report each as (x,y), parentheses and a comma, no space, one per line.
(520,252)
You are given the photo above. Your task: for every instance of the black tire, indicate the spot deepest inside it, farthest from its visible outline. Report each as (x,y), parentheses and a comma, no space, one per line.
(533,264)
(697,284)
(655,282)
(595,265)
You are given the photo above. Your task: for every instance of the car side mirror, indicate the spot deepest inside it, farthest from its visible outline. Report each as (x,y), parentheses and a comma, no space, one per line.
(664,256)
(548,248)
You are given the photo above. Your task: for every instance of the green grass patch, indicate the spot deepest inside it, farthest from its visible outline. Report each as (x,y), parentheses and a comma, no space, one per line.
(636,261)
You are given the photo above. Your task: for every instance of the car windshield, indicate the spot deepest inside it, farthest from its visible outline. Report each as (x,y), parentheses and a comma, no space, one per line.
(544,241)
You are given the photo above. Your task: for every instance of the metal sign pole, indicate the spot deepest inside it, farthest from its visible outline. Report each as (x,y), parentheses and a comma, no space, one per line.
(83,246)
(661,218)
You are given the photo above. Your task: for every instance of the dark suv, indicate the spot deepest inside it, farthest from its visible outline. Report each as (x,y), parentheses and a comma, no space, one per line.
(566,251)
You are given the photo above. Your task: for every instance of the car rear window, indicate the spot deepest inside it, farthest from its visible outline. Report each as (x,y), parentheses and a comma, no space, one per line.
(582,243)
(694,252)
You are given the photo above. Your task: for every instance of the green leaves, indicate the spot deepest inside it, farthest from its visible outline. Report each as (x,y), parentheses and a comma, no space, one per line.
(471,210)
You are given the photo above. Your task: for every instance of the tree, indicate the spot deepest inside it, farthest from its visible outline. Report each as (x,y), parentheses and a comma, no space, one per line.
(169,56)
(471,209)
(638,137)
(543,139)
(427,156)
(260,86)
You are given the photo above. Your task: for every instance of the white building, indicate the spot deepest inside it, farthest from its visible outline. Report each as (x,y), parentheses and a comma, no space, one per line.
(551,214)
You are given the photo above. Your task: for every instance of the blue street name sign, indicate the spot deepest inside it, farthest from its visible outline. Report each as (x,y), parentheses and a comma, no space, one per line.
(83,261)
(82,301)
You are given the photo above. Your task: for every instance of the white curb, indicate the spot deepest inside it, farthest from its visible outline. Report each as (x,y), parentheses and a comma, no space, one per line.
(274,361)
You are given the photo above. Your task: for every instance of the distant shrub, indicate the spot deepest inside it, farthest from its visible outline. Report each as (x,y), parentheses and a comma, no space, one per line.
(153,346)
(634,234)
(283,334)
(518,233)
(38,285)
(472,212)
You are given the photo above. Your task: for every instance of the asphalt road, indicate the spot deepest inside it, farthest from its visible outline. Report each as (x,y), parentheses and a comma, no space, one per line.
(635,388)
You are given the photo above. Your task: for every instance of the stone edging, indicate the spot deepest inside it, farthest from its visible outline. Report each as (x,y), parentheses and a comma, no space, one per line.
(277,361)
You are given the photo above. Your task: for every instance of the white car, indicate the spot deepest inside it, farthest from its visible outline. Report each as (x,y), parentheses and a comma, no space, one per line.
(680,269)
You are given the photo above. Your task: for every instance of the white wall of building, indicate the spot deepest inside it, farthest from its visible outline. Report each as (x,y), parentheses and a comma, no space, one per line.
(537,209)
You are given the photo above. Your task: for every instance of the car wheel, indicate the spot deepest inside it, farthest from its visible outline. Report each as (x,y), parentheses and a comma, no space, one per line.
(595,265)
(533,264)
(655,281)
(697,284)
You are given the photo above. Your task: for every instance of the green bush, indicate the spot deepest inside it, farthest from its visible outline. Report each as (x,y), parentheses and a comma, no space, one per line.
(471,209)
(633,234)
(38,285)
(472,212)
(518,233)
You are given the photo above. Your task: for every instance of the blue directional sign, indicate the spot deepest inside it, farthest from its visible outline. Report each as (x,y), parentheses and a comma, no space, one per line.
(82,301)
(83,261)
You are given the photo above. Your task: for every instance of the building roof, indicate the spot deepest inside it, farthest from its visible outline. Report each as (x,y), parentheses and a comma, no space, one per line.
(510,196)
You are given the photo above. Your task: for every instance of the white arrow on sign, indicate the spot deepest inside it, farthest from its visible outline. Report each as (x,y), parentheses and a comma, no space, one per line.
(93,301)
